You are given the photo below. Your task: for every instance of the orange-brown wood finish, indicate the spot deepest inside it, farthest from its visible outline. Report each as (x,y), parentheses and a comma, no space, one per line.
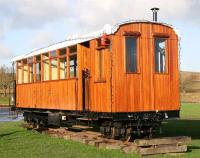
(145,90)
(48,95)
(118,91)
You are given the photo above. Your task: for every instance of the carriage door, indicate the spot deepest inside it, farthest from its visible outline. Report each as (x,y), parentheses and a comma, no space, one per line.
(161,75)
(85,69)
(85,88)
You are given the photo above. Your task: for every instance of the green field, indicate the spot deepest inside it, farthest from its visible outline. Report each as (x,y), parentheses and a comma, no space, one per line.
(190,111)
(18,142)
(4,100)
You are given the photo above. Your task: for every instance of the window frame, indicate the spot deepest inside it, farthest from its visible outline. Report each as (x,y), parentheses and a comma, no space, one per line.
(17,71)
(99,77)
(62,57)
(166,72)
(24,64)
(29,67)
(69,54)
(50,61)
(137,36)
(35,67)
(42,61)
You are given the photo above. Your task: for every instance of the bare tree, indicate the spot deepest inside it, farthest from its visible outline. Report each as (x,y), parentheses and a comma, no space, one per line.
(5,78)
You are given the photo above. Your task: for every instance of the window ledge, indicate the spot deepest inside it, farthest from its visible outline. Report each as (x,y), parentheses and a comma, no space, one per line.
(136,73)
(161,73)
(101,47)
(100,81)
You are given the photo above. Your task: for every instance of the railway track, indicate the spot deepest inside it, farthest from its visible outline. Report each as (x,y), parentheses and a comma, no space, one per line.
(143,147)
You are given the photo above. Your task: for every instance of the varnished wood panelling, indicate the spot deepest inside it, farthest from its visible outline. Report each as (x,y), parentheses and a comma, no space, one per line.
(99,91)
(118,91)
(145,90)
(48,95)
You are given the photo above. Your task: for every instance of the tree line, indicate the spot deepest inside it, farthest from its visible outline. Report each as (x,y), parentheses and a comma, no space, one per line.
(6,79)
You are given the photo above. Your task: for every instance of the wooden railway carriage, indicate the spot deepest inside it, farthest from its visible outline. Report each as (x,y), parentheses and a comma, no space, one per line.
(125,78)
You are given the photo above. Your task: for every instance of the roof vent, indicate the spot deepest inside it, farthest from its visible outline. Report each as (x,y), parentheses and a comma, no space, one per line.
(155,10)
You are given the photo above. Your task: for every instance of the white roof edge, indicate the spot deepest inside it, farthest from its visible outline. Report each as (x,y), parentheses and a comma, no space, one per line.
(108,29)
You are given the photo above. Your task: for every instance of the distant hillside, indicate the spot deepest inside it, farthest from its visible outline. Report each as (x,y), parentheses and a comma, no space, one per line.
(190,86)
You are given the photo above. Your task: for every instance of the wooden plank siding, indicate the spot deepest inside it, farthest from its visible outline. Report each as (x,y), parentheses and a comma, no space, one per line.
(48,95)
(145,90)
(118,91)
(99,91)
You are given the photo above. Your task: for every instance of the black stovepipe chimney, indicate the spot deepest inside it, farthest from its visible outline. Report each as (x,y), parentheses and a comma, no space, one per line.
(155,10)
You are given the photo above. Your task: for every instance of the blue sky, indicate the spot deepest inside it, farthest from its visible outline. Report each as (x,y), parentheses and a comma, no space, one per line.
(27,25)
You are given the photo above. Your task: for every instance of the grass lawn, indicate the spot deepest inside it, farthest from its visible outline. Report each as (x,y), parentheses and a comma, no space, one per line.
(4,100)
(190,110)
(18,142)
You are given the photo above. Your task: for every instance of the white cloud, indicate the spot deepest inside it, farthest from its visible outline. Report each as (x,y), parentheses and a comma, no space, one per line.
(5,52)
(95,12)
(50,18)
(92,14)
(42,38)
(28,14)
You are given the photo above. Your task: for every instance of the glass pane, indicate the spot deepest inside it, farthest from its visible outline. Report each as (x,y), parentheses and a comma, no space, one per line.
(31,76)
(30,60)
(19,74)
(131,54)
(46,70)
(73,49)
(73,66)
(63,68)
(19,63)
(54,69)
(62,52)
(38,71)
(72,72)
(160,62)
(45,56)
(38,58)
(53,54)
(25,74)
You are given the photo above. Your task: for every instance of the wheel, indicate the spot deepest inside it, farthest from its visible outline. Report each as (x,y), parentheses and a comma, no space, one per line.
(127,137)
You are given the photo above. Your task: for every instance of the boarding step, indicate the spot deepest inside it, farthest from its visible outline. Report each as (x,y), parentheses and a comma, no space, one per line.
(82,127)
(86,119)
(79,128)
(162,145)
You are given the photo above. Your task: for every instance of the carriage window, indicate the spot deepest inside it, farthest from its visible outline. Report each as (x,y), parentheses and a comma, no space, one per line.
(19,72)
(25,71)
(30,69)
(63,68)
(38,68)
(53,54)
(62,52)
(131,54)
(73,61)
(45,67)
(160,55)
(54,69)
(73,66)
(63,63)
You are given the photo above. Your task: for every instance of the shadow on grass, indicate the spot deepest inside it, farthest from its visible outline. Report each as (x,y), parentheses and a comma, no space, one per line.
(190,148)
(186,127)
(8,134)
(181,128)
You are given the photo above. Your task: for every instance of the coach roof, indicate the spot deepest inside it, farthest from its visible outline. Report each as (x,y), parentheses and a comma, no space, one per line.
(107,29)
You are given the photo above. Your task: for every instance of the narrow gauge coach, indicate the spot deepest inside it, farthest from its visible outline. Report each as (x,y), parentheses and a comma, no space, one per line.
(124,78)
